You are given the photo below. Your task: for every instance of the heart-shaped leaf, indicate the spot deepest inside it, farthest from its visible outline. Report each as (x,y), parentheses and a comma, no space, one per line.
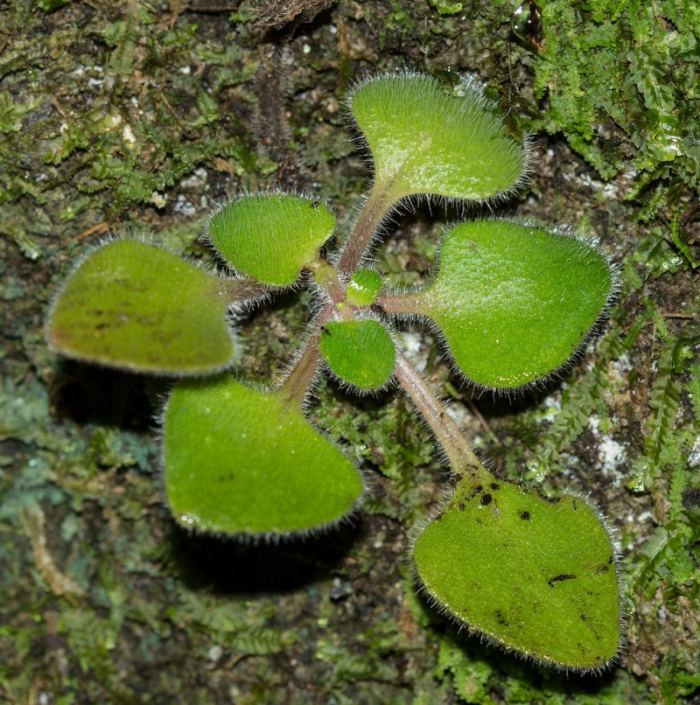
(135,306)
(271,237)
(426,141)
(514,301)
(241,461)
(533,575)
(360,353)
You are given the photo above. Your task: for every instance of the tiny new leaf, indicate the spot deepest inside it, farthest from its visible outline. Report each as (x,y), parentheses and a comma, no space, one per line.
(360,353)
(535,575)
(363,287)
(132,305)
(514,301)
(425,141)
(241,461)
(271,237)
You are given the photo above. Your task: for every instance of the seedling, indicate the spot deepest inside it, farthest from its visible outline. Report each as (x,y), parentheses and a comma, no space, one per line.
(512,302)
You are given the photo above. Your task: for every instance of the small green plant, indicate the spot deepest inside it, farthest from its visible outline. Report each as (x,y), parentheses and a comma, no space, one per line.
(512,302)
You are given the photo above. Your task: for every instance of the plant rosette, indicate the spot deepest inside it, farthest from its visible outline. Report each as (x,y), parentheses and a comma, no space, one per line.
(512,302)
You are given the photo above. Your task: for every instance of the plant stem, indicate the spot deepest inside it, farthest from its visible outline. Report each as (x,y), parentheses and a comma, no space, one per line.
(373,211)
(462,459)
(327,278)
(399,303)
(241,289)
(298,381)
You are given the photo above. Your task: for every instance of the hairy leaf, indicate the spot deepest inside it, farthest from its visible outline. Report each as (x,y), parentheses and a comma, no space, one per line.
(132,305)
(425,141)
(271,237)
(534,575)
(361,353)
(514,301)
(241,461)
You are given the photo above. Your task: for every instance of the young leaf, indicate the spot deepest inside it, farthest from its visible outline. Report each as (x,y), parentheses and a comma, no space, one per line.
(425,141)
(241,461)
(514,301)
(271,237)
(132,305)
(363,287)
(361,353)
(533,575)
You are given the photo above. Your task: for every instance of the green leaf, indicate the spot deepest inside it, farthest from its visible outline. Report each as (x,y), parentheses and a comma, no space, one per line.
(426,141)
(135,306)
(514,301)
(534,575)
(360,353)
(241,461)
(271,237)
(364,287)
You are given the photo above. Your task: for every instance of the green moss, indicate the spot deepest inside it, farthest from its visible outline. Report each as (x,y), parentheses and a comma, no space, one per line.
(445,7)
(630,68)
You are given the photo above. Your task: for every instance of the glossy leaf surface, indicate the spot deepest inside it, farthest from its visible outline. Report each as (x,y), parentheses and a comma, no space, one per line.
(271,237)
(240,461)
(426,141)
(360,353)
(135,306)
(514,302)
(534,575)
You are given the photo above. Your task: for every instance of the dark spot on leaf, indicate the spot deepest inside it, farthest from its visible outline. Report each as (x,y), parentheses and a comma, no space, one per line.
(583,617)
(325,330)
(553,500)
(575,505)
(315,205)
(602,569)
(461,506)
(494,485)
(559,578)
(500,618)
(525,516)
(610,559)
(486,499)
(477,490)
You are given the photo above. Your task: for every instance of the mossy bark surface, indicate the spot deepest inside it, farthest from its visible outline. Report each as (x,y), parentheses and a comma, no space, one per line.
(120,117)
